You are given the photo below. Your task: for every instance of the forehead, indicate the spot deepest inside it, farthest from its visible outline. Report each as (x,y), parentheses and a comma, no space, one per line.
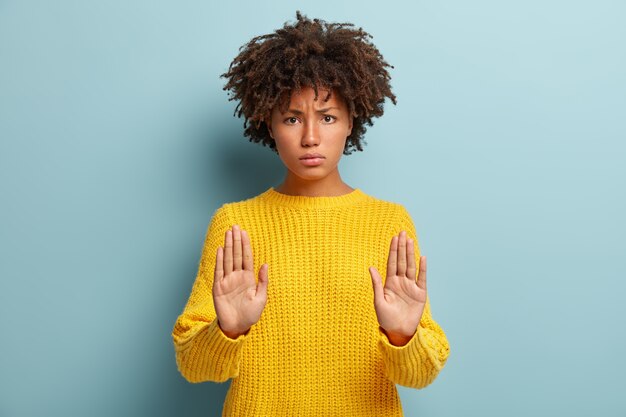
(306,97)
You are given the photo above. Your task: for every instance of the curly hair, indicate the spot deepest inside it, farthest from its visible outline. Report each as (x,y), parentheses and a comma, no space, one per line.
(312,53)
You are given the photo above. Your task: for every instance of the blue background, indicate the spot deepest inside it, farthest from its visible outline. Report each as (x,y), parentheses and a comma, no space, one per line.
(506,146)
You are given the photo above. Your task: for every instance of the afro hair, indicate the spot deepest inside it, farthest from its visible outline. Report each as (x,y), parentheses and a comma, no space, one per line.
(309,53)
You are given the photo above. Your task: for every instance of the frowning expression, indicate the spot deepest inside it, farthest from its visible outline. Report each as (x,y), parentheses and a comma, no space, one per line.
(311,135)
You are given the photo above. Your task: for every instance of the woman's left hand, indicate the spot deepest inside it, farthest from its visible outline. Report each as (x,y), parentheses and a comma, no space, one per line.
(400,303)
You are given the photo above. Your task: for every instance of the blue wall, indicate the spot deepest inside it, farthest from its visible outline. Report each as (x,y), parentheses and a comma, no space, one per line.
(506,146)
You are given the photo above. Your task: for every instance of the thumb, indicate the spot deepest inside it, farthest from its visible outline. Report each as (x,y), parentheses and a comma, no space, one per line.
(261,288)
(377,282)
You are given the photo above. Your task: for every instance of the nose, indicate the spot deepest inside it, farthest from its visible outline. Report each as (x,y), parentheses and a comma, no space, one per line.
(311,134)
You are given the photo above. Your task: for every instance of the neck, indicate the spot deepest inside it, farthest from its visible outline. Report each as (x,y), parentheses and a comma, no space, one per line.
(330,186)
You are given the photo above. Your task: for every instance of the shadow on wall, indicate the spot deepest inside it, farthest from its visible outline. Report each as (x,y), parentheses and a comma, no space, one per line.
(223,167)
(238,169)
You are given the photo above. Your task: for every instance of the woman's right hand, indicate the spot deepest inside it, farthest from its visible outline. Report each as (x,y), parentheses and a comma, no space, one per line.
(237,298)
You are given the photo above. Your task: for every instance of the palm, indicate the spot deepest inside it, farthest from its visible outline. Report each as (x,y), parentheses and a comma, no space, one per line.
(238,300)
(235,300)
(400,303)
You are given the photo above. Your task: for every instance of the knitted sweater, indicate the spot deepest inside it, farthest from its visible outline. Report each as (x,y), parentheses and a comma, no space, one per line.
(317,349)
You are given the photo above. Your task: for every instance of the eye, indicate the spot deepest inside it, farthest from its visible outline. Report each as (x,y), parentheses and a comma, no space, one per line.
(291,120)
(332,118)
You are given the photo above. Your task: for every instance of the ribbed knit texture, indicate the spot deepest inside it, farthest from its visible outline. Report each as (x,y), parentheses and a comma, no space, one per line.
(318,349)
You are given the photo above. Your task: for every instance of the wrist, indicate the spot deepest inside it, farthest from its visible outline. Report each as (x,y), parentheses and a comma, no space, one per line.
(398,339)
(232,334)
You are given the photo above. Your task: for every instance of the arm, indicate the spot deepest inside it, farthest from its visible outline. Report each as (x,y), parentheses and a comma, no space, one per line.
(203,351)
(417,363)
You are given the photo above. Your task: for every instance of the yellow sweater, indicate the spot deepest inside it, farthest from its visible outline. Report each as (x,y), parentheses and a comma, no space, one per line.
(317,349)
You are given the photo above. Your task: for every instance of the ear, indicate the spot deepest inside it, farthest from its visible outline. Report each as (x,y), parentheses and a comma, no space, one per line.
(350,127)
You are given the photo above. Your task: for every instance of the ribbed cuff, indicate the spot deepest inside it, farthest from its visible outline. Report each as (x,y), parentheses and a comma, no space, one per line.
(409,364)
(211,355)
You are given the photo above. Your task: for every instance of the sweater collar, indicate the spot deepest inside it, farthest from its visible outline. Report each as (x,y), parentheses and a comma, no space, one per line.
(274,197)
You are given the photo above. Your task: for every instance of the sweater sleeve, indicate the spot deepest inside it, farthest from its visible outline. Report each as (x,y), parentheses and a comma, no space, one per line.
(203,351)
(416,364)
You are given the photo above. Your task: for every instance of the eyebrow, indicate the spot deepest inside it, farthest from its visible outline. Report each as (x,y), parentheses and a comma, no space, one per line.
(295,111)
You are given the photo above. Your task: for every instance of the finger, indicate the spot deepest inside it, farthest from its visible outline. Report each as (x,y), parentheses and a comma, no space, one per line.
(237,252)
(247,251)
(261,288)
(228,253)
(421,279)
(377,283)
(410,268)
(393,257)
(402,254)
(219,265)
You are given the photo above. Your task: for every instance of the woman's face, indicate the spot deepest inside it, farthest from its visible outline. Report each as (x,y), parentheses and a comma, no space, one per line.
(311,127)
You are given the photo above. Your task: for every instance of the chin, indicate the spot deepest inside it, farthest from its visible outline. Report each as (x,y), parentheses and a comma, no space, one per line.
(310,176)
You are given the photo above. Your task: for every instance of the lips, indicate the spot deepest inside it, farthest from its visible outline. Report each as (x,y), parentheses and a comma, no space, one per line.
(311,156)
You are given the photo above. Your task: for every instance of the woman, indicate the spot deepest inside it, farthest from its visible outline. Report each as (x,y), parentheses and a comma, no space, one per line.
(326,334)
